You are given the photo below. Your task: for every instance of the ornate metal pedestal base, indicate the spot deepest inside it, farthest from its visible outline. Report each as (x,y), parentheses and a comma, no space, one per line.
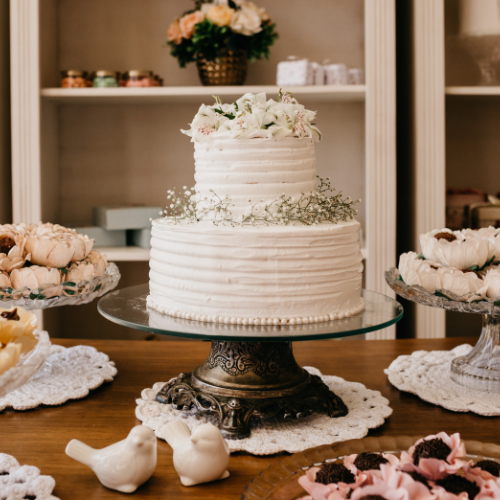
(241,380)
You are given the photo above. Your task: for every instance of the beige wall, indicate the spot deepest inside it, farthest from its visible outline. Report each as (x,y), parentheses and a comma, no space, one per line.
(5,184)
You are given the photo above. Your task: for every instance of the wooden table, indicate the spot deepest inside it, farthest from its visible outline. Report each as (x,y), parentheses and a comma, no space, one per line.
(39,437)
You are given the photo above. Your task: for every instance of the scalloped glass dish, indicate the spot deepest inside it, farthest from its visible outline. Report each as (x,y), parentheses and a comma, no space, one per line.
(280,480)
(27,365)
(449,301)
(72,293)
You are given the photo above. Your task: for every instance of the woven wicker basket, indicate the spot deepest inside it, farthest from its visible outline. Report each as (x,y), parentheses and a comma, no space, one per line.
(229,69)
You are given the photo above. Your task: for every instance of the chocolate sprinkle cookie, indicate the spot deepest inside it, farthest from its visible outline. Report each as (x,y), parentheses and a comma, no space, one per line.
(418,477)
(489,466)
(457,484)
(433,448)
(372,497)
(369,461)
(334,473)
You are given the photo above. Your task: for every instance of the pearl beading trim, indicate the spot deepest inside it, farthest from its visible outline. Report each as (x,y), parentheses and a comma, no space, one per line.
(254,321)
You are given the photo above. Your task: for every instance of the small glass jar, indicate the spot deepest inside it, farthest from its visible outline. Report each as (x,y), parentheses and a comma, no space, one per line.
(104,78)
(72,78)
(136,78)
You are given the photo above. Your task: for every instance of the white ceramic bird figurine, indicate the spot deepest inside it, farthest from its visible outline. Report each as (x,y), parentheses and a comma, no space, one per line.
(123,466)
(198,458)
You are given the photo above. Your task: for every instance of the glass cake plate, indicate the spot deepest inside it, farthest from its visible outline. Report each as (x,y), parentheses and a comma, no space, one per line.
(71,293)
(480,369)
(280,480)
(251,371)
(127,307)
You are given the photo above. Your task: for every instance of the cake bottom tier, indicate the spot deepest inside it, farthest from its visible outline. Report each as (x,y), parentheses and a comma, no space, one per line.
(256,275)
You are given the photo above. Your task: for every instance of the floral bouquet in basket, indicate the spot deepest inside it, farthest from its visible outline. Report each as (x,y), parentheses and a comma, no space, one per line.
(228,32)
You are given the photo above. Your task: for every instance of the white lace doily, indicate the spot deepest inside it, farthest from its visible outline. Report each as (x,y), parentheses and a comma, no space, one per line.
(427,375)
(367,410)
(68,373)
(23,482)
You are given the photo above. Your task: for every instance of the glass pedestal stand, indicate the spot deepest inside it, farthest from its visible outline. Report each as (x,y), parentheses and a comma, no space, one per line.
(480,369)
(251,371)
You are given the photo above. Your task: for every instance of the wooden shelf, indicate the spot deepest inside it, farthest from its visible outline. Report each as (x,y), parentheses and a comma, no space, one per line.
(136,254)
(473,91)
(323,93)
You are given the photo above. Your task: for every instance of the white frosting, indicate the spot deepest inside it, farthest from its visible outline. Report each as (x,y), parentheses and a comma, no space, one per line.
(254,169)
(222,273)
(480,17)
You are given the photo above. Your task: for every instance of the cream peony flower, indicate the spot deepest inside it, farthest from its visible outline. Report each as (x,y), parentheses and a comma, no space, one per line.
(451,249)
(24,277)
(46,276)
(416,271)
(99,261)
(246,21)
(48,251)
(220,15)
(453,280)
(82,245)
(187,23)
(4,280)
(174,33)
(14,245)
(492,281)
(83,271)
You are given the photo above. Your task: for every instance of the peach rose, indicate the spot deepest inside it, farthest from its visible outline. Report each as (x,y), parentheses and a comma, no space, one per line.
(174,33)
(188,23)
(220,15)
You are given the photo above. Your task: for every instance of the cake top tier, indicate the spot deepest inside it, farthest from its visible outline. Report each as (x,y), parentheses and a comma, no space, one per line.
(253,116)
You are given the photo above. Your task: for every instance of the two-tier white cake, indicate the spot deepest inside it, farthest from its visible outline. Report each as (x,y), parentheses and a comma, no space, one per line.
(256,243)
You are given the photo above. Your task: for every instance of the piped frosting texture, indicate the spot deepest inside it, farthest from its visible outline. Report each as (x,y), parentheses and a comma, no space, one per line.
(260,272)
(251,171)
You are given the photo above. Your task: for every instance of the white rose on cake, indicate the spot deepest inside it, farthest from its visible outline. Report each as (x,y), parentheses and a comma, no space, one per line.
(492,281)
(452,249)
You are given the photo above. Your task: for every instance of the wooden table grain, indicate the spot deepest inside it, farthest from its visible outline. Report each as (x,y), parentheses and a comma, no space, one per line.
(39,437)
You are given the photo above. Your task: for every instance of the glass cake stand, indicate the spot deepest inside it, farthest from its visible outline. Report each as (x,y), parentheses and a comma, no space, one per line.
(480,369)
(251,370)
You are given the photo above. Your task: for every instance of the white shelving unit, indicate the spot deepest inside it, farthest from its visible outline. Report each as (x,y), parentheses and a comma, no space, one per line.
(73,149)
(456,127)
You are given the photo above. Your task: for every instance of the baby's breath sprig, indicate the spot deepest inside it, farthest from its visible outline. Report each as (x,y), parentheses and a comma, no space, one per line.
(320,206)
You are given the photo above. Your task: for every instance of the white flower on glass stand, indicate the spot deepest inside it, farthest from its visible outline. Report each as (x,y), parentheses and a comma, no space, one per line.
(99,261)
(416,271)
(454,281)
(452,249)
(24,277)
(492,281)
(4,280)
(50,252)
(81,271)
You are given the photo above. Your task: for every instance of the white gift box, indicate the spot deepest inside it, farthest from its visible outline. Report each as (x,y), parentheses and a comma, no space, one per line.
(295,72)
(318,73)
(336,74)
(356,76)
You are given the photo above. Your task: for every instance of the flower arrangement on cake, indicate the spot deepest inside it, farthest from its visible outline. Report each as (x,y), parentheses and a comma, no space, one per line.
(222,31)
(45,260)
(461,265)
(434,468)
(17,336)
(254,117)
